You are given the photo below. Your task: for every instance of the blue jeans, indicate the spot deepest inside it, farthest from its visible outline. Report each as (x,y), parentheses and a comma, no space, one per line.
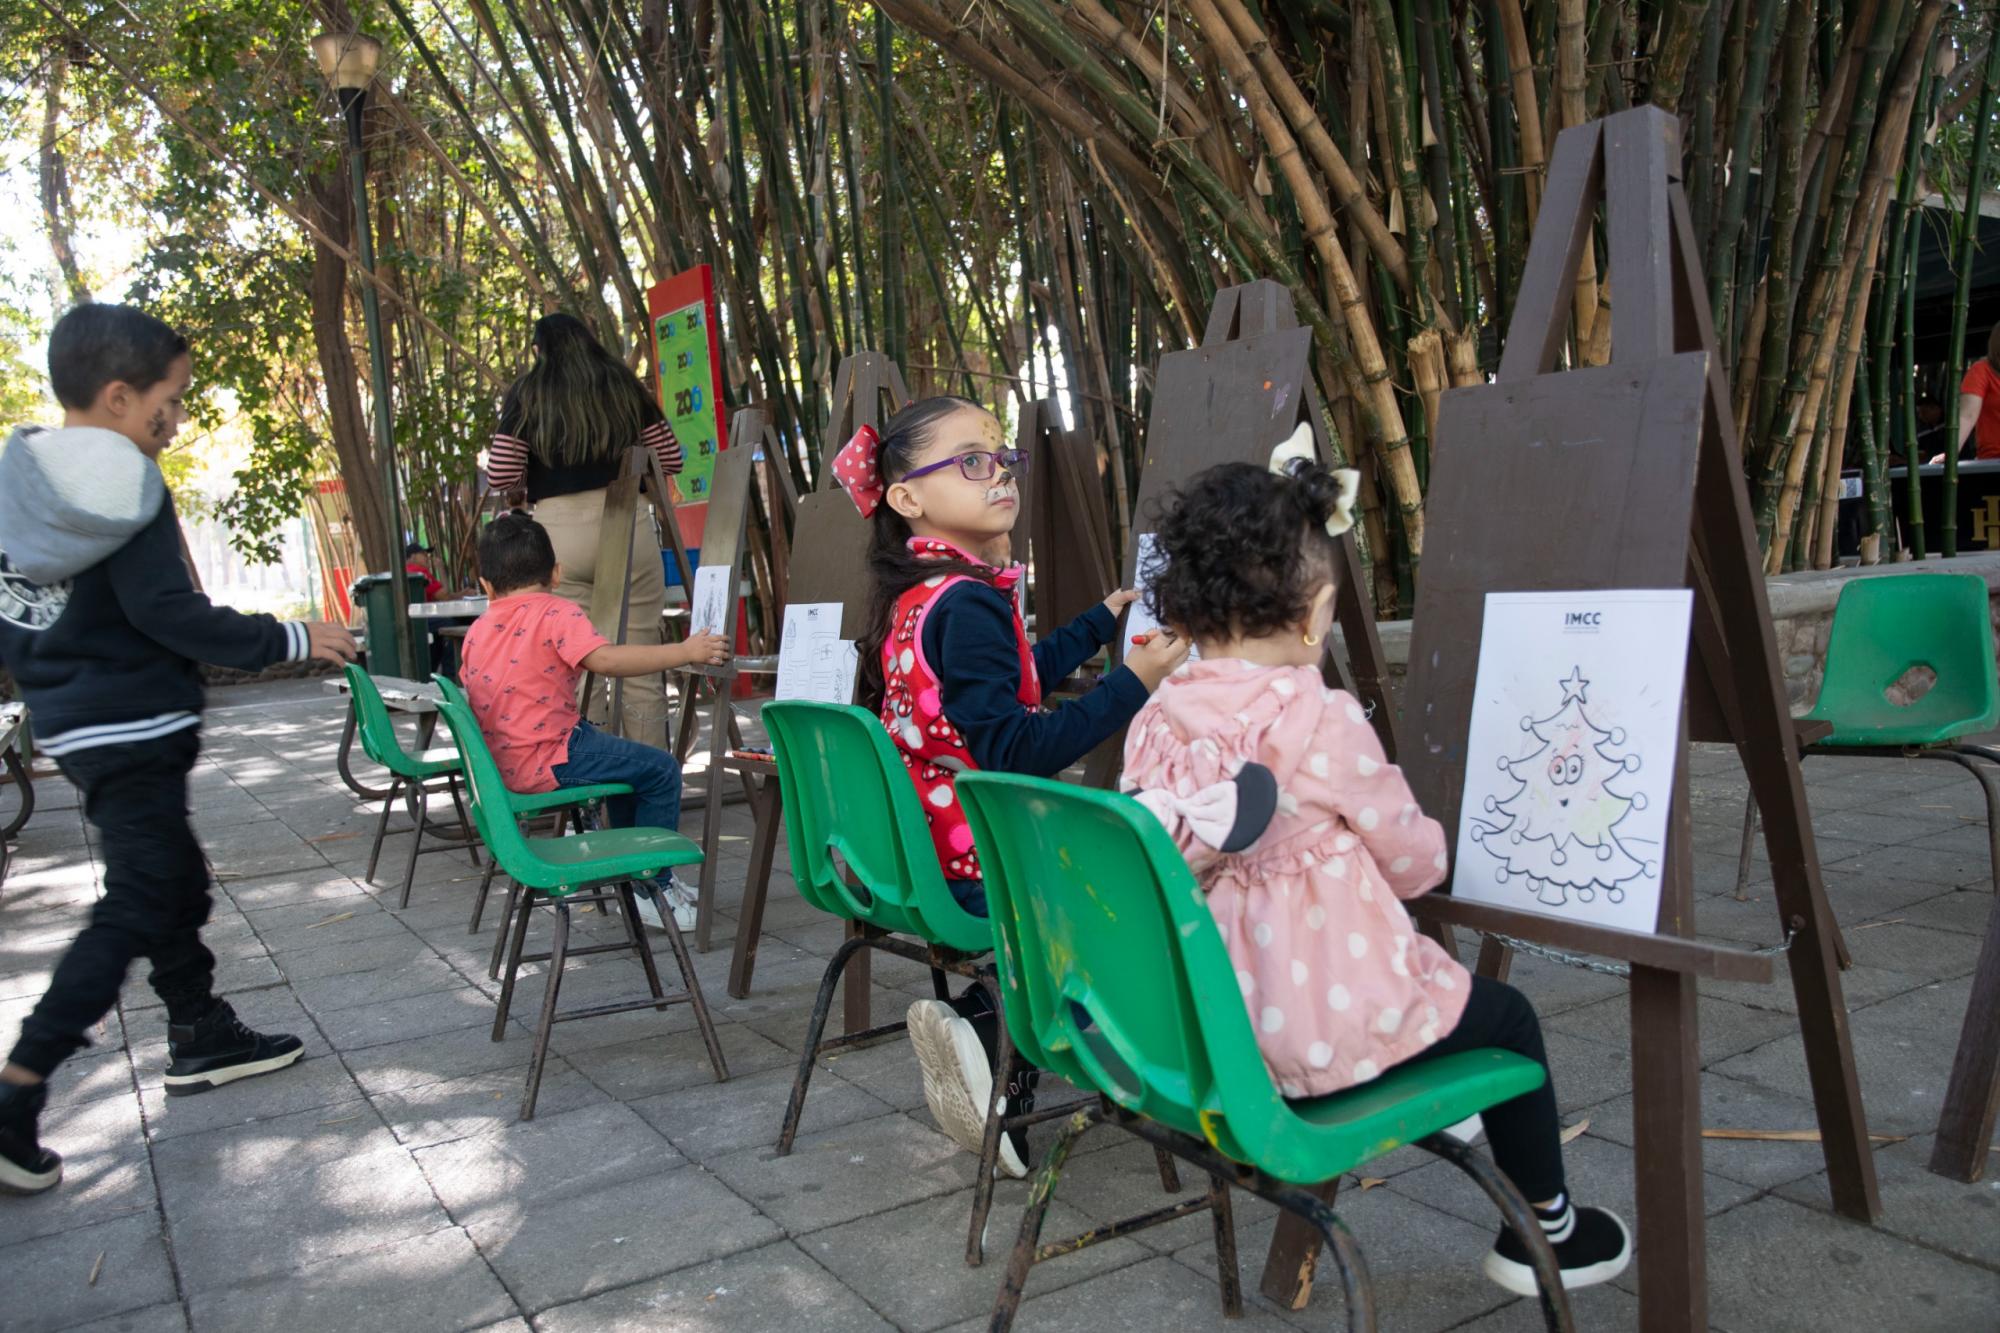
(653,774)
(970,893)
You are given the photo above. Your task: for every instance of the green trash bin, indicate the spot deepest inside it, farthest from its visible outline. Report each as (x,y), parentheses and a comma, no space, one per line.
(371,595)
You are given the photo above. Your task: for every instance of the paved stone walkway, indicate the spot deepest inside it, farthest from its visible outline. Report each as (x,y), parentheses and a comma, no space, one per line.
(384,1183)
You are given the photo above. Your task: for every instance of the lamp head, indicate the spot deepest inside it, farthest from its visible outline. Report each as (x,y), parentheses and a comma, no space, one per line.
(347,59)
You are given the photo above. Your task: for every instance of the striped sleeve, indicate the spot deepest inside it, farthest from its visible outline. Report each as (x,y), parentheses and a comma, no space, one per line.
(506,461)
(660,438)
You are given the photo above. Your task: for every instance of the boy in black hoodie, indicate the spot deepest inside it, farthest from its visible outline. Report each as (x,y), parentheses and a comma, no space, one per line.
(102,628)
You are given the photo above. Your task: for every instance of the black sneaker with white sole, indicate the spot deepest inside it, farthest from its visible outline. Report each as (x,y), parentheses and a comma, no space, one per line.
(26,1167)
(219,1049)
(1591,1246)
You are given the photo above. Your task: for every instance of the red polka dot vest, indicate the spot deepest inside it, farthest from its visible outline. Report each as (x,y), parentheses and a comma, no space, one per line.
(913,711)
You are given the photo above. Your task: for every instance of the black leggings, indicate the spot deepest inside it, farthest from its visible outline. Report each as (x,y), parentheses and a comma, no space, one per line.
(1525,1132)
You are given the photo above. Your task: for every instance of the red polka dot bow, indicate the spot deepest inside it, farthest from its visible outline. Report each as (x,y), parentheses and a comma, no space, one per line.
(856,469)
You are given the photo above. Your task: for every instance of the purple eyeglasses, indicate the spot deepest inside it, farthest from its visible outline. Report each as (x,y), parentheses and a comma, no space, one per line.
(979,465)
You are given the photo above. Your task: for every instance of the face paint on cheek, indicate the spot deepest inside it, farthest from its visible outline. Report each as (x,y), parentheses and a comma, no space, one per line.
(156,429)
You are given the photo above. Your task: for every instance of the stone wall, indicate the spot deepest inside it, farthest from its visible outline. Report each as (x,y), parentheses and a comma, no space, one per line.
(1801,614)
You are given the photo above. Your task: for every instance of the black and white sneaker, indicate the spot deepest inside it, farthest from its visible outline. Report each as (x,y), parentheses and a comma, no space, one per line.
(219,1049)
(958,1080)
(1591,1246)
(26,1167)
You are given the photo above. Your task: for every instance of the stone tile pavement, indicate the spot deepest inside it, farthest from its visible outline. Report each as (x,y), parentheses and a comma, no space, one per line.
(385,1182)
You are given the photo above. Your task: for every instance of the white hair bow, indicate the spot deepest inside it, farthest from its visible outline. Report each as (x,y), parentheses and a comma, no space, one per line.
(1285,460)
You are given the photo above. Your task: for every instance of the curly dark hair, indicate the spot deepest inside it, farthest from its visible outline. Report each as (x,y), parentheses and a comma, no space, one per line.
(894,569)
(1240,551)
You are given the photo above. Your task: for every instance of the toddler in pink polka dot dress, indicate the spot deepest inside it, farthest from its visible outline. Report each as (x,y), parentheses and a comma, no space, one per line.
(1307,882)
(1339,984)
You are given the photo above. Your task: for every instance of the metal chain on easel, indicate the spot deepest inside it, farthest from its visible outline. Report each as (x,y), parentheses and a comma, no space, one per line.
(1590,964)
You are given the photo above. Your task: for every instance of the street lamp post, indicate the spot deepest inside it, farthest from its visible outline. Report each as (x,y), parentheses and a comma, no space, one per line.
(348,60)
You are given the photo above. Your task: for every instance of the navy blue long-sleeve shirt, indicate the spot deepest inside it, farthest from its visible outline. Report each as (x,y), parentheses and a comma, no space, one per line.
(969,642)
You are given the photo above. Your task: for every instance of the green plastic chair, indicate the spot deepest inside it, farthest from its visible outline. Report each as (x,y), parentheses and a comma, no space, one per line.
(1883,627)
(1129,991)
(565,804)
(414,777)
(861,850)
(557,872)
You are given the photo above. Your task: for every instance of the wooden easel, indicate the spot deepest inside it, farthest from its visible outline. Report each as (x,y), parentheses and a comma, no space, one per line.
(1232,400)
(867,390)
(751,437)
(1628,476)
(1069,541)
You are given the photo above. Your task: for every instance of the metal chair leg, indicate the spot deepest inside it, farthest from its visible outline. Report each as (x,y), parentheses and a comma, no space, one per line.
(1354,1280)
(479,903)
(693,983)
(416,841)
(1041,1193)
(381,830)
(815,1029)
(1005,1062)
(507,909)
(1972,1094)
(526,910)
(1224,1219)
(557,951)
(1749,846)
(1519,1216)
(941,984)
(464,819)
(635,933)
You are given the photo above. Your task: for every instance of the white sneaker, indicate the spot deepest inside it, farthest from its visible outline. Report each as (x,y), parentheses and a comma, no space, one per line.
(677,897)
(958,1086)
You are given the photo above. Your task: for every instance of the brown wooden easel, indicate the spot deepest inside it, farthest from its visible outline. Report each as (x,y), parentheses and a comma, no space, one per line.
(1069,542)
(867,390)
(751,437)
(1629,476)
(1232,400)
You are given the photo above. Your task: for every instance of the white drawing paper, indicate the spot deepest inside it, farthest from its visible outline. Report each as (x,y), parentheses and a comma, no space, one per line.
(1139,620)
(814,662)
(1570,757)
(710,614)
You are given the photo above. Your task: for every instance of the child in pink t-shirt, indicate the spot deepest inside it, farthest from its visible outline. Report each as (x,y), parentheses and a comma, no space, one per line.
(1339,985)
(522,662)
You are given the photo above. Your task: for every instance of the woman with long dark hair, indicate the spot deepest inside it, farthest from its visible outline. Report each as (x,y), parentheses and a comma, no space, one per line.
(564,428)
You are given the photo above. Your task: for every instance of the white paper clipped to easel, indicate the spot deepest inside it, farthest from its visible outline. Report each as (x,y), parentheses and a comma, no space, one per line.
(1139,620)
(1569,770)
(814,662)
(710,614)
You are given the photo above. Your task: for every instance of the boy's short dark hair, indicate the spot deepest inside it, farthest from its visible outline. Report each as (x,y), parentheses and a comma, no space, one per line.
(99,344)
(515,552)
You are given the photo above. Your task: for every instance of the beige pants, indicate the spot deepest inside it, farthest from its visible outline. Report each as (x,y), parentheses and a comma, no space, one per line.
(573,522)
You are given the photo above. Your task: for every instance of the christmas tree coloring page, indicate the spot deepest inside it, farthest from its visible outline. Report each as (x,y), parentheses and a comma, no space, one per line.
(1570,756)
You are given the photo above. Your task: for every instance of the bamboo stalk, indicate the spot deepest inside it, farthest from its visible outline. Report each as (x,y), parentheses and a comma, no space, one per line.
(1528,119)
(1759,37)
(1968,245)
(1378,390)
(1306,126)
(1402,138)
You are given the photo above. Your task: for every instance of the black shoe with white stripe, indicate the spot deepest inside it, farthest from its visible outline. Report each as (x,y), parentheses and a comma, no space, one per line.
(26,1167)
(219,1049)
(1591,1246)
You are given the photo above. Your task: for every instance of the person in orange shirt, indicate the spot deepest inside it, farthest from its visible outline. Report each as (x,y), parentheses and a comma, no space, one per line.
(1979,401)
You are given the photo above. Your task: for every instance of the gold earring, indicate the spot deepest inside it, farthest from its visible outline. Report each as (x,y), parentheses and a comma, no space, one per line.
(1312,640)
